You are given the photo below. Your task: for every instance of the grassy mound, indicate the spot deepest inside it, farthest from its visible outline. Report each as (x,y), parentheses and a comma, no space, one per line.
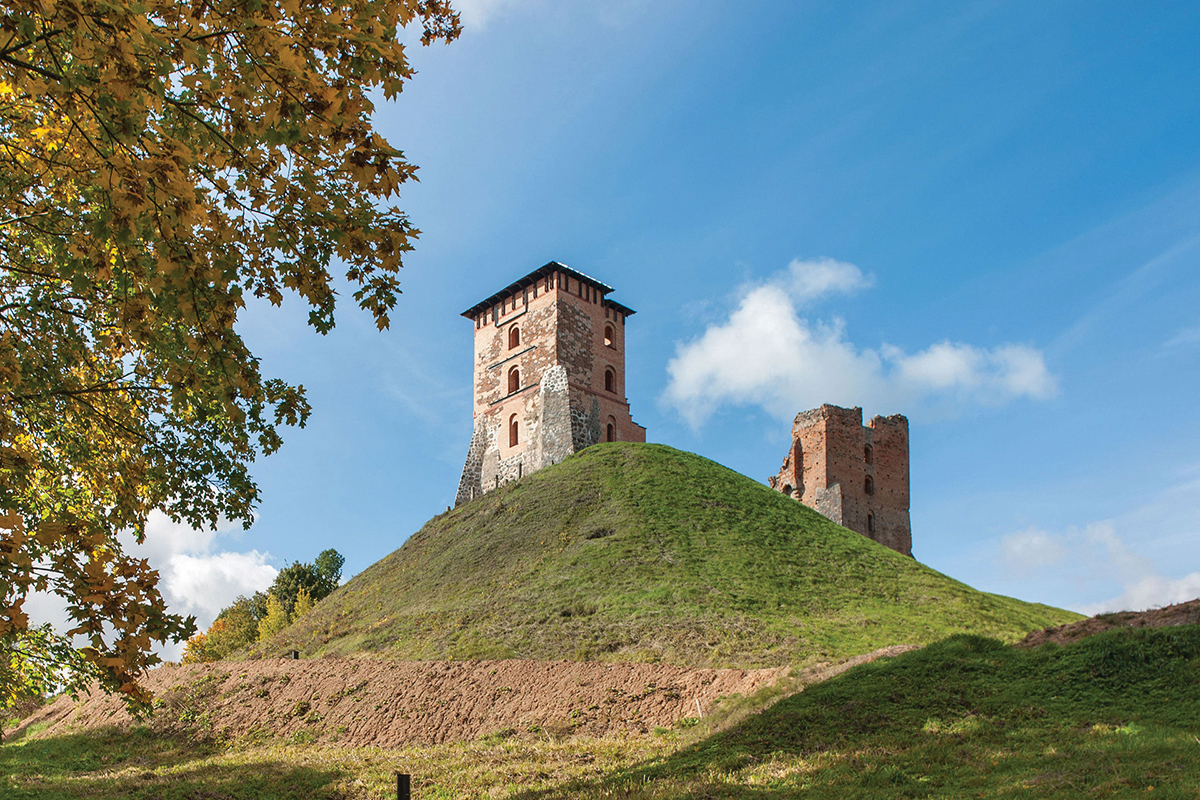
(642,552)
(1115,715)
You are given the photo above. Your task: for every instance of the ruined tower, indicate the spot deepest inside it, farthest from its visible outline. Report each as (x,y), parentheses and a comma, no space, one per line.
(854,474)
(549,376)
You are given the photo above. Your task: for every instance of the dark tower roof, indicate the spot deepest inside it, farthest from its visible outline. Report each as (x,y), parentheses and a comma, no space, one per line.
(537,275)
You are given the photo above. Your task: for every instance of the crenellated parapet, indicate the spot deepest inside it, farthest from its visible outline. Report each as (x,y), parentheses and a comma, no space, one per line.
(856,475)
(549,376)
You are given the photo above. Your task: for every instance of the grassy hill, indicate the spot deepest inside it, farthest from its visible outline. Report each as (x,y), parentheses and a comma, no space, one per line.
(1115,715)
(642,552)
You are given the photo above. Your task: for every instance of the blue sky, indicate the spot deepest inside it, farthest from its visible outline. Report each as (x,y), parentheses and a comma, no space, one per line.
(1005,198)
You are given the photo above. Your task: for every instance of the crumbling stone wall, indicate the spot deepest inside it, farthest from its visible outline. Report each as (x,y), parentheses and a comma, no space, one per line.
(853,474)
(569,336)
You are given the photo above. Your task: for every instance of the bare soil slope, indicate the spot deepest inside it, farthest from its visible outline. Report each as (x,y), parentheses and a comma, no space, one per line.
(1179,614)
(362,702)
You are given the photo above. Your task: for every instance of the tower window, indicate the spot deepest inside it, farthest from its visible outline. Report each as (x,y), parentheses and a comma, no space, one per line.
(609,336)
(513,438)
(609,380)
(868,455)
(611,430)
(514,379)
(870,523)
(514,337)
(869,485)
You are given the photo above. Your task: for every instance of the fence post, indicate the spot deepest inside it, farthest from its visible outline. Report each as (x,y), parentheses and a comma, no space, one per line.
(403,786)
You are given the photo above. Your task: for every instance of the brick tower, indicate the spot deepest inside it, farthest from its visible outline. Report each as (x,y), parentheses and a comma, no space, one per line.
(549,376)
(854,474)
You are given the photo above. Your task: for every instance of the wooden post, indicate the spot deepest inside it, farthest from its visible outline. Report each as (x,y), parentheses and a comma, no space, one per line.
(403,786)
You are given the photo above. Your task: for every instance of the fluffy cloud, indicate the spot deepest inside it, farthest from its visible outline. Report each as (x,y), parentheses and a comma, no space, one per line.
(195,576)
(767,354)
(1090,557)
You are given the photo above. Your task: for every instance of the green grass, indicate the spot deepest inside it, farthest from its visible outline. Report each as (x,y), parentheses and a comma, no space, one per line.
(1115,715)
(642,552)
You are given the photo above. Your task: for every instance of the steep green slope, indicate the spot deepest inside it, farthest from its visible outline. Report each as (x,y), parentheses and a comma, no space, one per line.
(642,552)
(1114,715)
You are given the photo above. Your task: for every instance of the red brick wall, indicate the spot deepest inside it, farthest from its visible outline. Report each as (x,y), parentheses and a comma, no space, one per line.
(827,468)
(562,324)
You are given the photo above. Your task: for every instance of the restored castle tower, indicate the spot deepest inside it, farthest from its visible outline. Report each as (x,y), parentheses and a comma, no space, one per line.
(854,474)
(549,376)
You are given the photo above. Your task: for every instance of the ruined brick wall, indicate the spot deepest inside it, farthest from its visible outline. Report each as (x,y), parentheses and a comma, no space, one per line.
(569,337)
(889,440)
(853,474)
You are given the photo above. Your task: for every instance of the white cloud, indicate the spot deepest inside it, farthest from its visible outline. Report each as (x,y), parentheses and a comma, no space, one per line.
(1030,549)
(811,280)
(1152,591)
(1089,558)
(767,354)
(195,577)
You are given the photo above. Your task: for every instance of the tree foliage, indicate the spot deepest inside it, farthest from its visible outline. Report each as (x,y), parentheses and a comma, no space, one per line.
(161,162)
(317,579)
(275,620)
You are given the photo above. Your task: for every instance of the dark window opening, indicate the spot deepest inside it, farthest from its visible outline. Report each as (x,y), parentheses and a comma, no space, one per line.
(787,489)
(870,523)
(514,337)
(514,380)
(611,432)
(869,485)
(512,431)
(868,456)
(609,336)
(609,380)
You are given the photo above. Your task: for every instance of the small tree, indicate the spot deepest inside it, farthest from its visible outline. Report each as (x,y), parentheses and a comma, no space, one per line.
(318,579)
(196,650)
(275,620)
(304,604)
(234,628)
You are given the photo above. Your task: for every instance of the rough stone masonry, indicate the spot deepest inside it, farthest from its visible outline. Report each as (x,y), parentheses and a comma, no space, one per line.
(855,474)
(549,376)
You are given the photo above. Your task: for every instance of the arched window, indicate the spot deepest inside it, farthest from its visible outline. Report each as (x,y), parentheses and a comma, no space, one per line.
(514,337)
(514,379)
(787,489)
(610,433)
(868,456)
(870,523)
(869,485)
(611,430)
(610,336)
(513,436)
(610,380)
